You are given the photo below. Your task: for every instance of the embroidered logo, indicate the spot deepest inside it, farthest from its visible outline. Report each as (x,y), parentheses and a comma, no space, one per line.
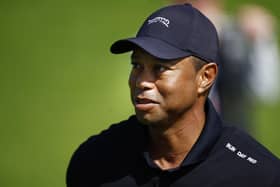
(161,20)
(240,154)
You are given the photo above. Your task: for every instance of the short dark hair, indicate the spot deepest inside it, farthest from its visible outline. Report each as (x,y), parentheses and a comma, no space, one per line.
(198,63)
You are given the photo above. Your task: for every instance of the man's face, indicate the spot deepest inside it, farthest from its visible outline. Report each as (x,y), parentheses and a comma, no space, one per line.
(161,91)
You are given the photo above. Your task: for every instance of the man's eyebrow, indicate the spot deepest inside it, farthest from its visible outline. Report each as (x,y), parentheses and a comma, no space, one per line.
(158,61)
(168,62)
(133,56)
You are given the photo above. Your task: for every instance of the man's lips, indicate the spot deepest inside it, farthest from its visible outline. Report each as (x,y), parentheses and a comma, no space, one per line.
(144,104)
(144,101)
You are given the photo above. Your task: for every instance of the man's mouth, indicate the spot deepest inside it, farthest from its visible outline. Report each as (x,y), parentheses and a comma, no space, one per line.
(144,104)
(144,101)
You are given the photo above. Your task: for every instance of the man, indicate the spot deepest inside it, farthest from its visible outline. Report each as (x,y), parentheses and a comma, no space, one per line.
(176,137)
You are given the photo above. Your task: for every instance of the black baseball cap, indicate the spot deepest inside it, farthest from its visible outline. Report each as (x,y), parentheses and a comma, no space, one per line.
(174,32)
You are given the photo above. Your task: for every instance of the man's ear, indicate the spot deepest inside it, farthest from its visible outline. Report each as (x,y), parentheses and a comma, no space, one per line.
(206,77)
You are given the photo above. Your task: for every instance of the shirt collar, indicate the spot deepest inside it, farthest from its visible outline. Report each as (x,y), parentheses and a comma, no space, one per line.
(205,142)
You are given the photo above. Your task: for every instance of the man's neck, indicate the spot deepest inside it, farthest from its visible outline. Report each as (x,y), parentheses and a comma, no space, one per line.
(169,147)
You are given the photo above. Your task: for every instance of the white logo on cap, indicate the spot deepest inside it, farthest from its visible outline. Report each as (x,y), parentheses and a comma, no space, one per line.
(162,20)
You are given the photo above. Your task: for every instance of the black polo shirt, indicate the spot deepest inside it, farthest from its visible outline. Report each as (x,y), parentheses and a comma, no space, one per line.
(223,156)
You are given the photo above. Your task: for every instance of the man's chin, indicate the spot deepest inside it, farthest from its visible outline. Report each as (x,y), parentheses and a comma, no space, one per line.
(148,119)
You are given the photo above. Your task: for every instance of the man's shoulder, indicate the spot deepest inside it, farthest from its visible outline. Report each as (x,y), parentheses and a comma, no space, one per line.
(242,160)
(116,138)
(241,150)
(116,132)
(248,143)
(103,155)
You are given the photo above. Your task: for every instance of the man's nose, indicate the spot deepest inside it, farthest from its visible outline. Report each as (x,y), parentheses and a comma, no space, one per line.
(145,80)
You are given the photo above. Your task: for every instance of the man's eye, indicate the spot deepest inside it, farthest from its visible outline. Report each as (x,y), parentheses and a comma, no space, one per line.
(135,65)
(160,68)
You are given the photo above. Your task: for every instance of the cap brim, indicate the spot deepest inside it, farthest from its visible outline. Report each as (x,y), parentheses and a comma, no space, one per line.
(155,47)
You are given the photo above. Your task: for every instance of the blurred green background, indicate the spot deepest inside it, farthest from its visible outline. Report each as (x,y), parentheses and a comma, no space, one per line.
(59,84)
